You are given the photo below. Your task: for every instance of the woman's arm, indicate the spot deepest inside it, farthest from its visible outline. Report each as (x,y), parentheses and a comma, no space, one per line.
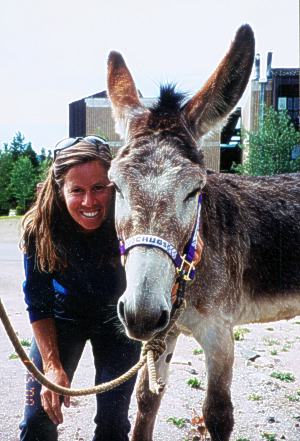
(38,290)
(45,335)
(39,297)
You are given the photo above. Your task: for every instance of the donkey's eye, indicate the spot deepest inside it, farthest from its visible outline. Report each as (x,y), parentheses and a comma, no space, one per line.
(192,194)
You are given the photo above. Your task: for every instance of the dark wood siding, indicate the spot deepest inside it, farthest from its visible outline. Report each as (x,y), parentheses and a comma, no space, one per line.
(77,119)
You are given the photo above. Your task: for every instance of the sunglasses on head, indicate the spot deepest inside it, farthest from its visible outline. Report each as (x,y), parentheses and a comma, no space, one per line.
(70,142)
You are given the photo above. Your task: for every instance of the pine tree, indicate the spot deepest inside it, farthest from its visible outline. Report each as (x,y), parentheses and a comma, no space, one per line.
(43,169)
(18,148)
(23,181)
(6,166)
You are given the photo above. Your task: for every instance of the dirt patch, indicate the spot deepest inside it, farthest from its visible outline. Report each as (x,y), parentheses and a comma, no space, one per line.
(265,408)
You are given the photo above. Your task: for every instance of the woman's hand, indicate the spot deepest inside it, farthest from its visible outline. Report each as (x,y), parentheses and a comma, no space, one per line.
(50,400)
(45,334)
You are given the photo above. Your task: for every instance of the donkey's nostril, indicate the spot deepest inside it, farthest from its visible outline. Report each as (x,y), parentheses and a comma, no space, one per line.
(163,320)
(122,311)
(137,324)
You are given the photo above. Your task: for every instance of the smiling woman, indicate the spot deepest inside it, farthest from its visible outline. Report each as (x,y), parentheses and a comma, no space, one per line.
(73,281)
(87,193)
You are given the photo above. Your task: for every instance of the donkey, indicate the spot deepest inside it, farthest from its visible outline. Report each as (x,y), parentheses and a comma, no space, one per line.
(250,226)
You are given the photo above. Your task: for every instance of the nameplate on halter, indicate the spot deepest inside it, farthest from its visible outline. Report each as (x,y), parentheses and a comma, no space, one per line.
(152,241)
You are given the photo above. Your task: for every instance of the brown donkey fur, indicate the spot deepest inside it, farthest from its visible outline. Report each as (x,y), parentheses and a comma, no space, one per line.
(250,265)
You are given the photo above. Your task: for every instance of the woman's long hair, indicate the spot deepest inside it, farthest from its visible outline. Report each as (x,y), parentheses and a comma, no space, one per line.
(46,226)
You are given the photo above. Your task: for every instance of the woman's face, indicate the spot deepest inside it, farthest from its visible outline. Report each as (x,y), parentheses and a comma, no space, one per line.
(86,194)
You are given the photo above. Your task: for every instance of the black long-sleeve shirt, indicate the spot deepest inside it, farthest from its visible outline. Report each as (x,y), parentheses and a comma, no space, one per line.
(87,289)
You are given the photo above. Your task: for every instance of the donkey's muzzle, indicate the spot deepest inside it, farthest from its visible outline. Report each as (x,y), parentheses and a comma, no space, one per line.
(145,307)
(143,326)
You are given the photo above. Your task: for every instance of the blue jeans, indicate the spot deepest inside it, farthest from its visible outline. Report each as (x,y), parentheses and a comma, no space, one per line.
(113,355)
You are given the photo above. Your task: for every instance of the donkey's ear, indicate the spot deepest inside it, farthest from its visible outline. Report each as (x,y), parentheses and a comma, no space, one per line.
(225,87)
(121,90)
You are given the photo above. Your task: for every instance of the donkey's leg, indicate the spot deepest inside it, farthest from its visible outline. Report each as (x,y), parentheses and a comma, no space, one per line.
(217,342)
(148,403)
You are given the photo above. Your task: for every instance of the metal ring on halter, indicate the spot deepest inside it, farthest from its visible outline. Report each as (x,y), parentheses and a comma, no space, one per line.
(187,269)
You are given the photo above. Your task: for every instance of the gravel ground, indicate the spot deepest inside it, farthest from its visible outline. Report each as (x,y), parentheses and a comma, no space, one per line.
(265,408)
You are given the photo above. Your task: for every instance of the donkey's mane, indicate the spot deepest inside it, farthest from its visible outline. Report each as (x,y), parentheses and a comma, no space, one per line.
(170,100)
(167,127)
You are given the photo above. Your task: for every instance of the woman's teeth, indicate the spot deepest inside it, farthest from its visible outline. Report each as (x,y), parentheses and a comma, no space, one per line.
(90,214)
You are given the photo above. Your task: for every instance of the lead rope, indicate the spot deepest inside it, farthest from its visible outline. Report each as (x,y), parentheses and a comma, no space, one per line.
(150,353)
(154,348)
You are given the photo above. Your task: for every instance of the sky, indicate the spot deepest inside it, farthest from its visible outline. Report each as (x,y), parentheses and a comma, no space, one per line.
(54,52)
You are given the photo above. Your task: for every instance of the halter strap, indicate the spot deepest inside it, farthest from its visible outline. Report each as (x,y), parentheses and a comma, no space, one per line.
(184,264)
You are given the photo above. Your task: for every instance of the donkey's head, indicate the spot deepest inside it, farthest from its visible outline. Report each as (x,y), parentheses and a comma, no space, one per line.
(159,173)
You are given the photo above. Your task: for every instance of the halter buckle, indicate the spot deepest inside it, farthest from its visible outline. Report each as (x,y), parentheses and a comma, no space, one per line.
(185,268)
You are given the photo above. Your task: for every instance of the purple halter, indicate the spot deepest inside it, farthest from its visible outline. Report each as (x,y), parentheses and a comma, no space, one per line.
(184,264)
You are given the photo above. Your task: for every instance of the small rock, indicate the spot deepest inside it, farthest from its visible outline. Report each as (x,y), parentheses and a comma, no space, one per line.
(271,419)
(180,360)
(74,402)
(254,357)
(193,372)
(251,355)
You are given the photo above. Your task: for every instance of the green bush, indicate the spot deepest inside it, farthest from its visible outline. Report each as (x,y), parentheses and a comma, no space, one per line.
(19,210)
(271,146)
